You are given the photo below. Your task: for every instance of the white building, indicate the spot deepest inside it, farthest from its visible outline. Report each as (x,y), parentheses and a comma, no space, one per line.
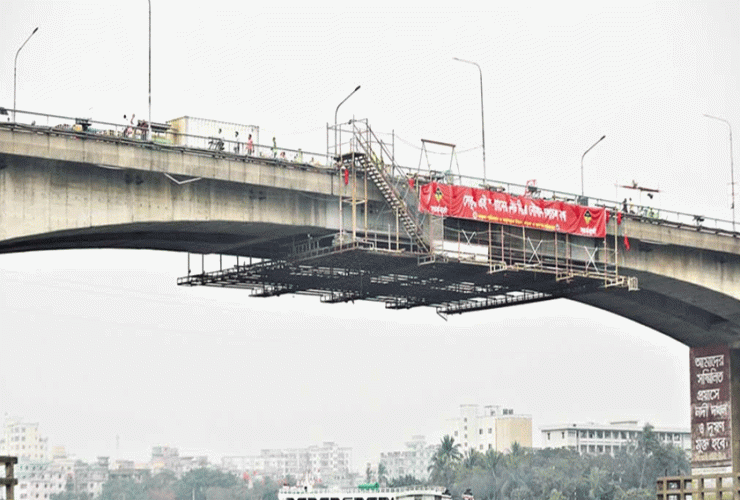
(328,463)
(413,461)
(492,428)
(168,458)
(23,440)
(38,480)
(607,438)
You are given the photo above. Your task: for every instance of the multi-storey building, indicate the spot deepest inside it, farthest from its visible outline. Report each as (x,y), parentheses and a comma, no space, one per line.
(168,458)
(89,478)
(328,463)
(413,461)
(492,428)
(38,480)
(165,457)
(23,440)
(608,438)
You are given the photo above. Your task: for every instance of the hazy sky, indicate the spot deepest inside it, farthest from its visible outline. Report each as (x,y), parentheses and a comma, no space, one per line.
(102,343)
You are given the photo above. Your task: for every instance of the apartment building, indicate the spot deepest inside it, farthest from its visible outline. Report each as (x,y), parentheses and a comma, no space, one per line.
(23,440)
(327,462)
(489,427)
(608,438)
(413,461)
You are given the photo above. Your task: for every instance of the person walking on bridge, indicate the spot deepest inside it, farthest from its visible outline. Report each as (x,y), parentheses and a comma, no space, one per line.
(274,147)
(250,146)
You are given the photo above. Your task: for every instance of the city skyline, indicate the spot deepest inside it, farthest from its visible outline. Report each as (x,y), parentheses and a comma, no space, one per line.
(169,457)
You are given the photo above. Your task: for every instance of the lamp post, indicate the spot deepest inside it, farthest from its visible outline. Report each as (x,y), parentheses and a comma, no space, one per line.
(15,67)
(732,167)
(583,155)
(149,122)
(335,116)
(341,216)
(482,121)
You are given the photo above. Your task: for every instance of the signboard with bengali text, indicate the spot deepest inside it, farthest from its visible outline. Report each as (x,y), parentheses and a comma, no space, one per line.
(711,413)
(502,208)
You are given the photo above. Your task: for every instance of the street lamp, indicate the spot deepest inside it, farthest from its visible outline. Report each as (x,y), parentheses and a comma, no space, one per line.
(732,167)
(15,65)
(149,133)
(482,121)
(335,116)
(584,154)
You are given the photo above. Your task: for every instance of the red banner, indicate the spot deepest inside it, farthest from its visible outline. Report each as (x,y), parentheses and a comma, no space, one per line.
(501,208)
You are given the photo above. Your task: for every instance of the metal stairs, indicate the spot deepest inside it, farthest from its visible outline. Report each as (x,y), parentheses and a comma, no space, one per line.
(366,161)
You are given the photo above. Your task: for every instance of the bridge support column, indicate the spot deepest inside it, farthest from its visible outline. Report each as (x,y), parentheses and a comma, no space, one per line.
(9,481)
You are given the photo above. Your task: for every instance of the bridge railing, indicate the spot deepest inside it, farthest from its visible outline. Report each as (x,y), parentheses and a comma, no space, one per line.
(645,213)
(135,134)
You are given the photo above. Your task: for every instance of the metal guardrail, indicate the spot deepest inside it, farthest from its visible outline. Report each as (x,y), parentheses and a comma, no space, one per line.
(136,135)
(162,136)
(644,213)
(292,490)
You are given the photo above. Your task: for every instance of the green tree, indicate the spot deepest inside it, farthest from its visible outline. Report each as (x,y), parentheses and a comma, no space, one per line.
(471,459)
(70,495)
(444,462)
(382,473)
(117,488)
(193,485)
(493,467)
(407,480)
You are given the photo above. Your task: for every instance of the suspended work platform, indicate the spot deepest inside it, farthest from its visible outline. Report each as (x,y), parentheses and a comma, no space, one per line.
(452,264)
(451,281)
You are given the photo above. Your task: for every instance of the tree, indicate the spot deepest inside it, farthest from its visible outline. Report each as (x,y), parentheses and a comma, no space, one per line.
(472,458)
(70,495)
(407,480)
(195,483)
(444,461)
(493,462)
(382,473)
(117,488)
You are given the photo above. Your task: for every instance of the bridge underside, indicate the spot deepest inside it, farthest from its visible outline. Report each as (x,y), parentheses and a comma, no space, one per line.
(400,279)
(261,240)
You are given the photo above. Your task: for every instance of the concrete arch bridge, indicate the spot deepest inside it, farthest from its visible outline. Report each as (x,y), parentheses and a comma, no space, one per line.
(348,228)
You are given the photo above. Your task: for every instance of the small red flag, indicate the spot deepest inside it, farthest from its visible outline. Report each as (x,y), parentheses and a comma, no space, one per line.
(626,242)
(411,182)
(619,218)
(346,176)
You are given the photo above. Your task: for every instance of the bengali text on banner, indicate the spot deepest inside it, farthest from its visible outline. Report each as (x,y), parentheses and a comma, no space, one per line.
(502,208)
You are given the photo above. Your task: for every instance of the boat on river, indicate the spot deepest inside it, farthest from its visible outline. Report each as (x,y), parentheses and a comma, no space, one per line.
(364,492)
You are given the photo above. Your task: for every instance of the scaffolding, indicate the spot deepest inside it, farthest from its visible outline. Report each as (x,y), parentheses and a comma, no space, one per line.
(454,265)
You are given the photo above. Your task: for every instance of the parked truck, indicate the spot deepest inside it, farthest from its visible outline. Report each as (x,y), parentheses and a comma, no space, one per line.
(202,133)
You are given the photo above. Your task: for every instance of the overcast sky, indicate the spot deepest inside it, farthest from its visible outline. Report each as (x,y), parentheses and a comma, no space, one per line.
(102,343)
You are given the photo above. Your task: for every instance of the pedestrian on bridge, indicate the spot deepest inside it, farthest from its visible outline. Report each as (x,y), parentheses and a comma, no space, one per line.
(274,147)
(250,146)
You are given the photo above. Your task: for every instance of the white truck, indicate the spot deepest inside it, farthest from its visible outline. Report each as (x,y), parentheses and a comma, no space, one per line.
(202,133)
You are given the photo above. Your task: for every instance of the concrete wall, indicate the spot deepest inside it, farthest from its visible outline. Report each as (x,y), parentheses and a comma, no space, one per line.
(65,192)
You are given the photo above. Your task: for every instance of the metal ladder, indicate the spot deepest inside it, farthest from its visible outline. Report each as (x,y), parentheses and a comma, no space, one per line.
(365,160)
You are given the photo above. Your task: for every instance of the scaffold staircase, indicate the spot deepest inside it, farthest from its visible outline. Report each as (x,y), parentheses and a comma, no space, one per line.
(366,160)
